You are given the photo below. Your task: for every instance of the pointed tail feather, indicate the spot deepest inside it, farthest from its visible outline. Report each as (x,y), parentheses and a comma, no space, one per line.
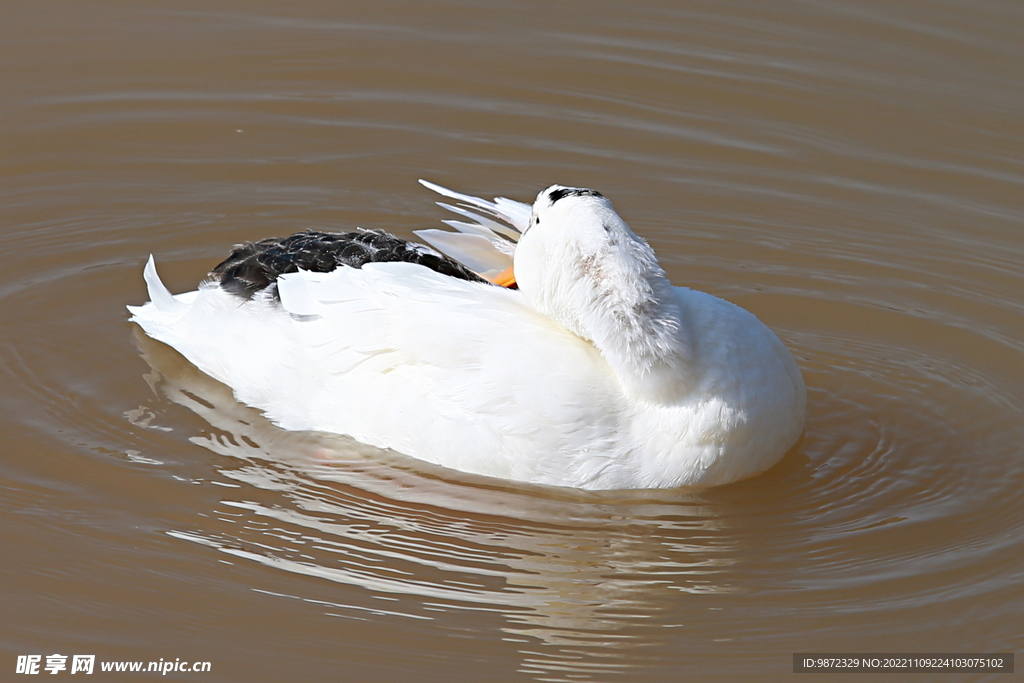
(482,225)
(516,214)
(485,245)
(159,294)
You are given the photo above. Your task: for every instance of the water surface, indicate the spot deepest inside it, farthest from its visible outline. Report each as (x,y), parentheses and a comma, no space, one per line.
(850,171)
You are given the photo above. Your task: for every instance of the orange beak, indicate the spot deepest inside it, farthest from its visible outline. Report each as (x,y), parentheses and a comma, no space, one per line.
(506,278)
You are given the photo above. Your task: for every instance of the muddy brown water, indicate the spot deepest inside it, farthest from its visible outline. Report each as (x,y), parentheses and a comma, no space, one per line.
(851,171)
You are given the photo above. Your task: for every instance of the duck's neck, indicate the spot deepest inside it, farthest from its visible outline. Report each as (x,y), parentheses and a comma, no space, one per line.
(622,302)
(641,334)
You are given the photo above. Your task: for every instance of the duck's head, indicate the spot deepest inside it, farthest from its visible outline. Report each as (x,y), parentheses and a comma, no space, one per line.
(557,208)
(578,260)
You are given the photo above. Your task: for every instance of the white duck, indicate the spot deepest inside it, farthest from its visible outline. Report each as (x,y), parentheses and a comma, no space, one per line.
(597,373)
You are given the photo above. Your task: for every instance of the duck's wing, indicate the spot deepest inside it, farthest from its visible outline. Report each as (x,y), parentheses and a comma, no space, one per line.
(256,266)
(453,372)
(485,241)
(459,373)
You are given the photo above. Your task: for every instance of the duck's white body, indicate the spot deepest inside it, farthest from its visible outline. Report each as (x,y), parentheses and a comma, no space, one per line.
(597,373)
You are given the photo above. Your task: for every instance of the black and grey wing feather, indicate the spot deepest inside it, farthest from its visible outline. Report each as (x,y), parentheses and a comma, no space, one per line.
(255,266)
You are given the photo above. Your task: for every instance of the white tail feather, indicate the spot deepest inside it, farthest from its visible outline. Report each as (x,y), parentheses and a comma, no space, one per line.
(159,294)
(501,244)
(476,252)
(516,214)
(482,222)
(486,245)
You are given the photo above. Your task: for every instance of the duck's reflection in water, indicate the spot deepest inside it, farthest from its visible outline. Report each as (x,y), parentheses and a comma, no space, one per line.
(574,575)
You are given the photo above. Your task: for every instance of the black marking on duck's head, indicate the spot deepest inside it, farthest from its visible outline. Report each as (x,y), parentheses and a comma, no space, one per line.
(564,192)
